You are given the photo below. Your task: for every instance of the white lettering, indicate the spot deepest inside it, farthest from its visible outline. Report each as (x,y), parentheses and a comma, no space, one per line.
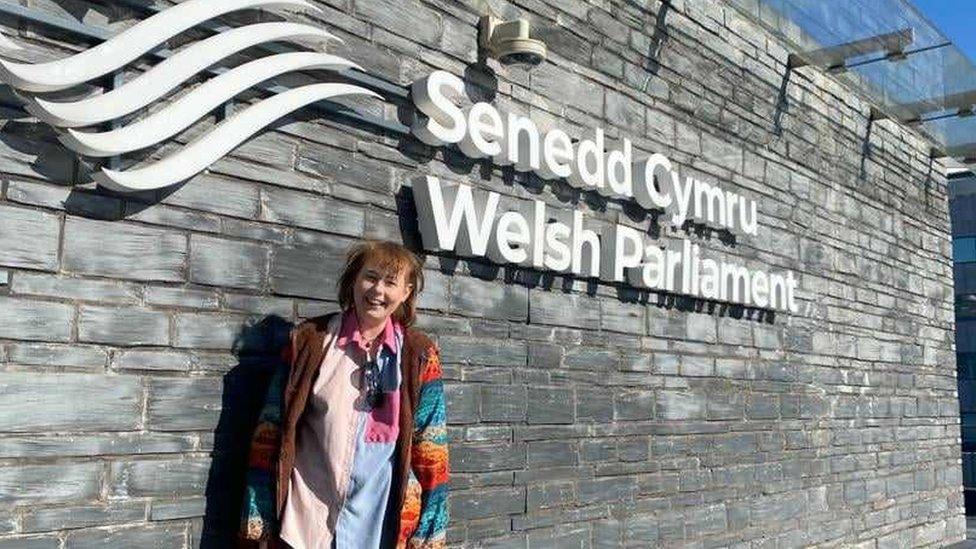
(443,121)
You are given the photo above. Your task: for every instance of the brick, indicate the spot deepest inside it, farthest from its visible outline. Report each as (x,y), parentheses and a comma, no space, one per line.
(551,405)
(29,238)
(488,299)
(594,405)
(179,509)
(701,328)
(599,490)
(622,317)
(56,197)
(410,19)
(182,297)
(697,366)
(564,310)
(632,405)
(660,126)
(53,402)
(237,198)
(311,211)
(486,457)
(76,289)
(35,320)
(159,478)
(779,507)
(761,406)
(146,359)
(550,494)
(347,169)
(30,542)
(590,358)
(221,262)
(123,250)
(544,355)
(482,351)
(463,403)
(557,83)
(208,330)
(435,295)
(35,156)
(483,503)
(43,484)
(284,308)
(129,326)
(94,445)
(607,24)
(176,218)
(82,516)
(551,454)
(503,403)
(44,354)
(640,529)
(679,405)
(290,268)
(142,535)
(624,112)
(184,404)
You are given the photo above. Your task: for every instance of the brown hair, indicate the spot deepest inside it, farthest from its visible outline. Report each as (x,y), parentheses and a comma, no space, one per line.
(391,257)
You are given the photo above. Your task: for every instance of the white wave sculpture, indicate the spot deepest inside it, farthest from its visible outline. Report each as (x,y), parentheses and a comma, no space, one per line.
(171,74)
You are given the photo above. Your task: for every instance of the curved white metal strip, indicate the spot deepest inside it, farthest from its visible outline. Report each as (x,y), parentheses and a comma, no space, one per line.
(8,44)
(193,106)
(129,45)
(227,135)
(166,76)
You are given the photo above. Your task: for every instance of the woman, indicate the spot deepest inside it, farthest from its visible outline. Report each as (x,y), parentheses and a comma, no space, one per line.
(351,445)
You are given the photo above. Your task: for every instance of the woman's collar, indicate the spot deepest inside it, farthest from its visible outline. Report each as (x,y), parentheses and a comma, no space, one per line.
(349,332)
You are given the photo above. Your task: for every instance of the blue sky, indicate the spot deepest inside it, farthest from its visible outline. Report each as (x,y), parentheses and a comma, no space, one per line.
(956,19)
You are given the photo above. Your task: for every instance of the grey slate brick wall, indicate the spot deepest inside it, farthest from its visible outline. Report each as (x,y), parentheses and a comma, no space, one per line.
(137,333)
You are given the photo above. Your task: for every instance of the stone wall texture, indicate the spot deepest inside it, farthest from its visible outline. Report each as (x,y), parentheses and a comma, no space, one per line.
(136,332)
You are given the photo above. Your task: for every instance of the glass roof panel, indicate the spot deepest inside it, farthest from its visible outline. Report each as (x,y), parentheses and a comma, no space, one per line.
(890,51)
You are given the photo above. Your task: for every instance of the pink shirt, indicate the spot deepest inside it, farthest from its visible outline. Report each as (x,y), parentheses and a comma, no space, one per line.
(326,446)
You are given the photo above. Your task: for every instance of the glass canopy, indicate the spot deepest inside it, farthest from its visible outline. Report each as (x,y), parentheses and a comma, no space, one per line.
(887,48)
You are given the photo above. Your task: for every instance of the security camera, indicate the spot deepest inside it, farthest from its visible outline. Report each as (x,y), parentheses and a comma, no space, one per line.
(509,42)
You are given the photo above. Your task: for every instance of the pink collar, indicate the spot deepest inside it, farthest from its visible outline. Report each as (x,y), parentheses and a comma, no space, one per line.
(349,332)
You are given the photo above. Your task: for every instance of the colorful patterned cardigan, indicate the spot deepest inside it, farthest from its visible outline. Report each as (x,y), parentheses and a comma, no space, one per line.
(424,515)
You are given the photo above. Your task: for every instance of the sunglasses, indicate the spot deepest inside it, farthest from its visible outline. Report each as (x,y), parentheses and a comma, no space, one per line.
(371,380)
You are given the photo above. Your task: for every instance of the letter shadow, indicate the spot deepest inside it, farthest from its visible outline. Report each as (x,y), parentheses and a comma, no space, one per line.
(689,304)
(258,349)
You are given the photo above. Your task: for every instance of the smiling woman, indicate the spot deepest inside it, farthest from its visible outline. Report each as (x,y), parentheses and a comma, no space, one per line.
(351,448)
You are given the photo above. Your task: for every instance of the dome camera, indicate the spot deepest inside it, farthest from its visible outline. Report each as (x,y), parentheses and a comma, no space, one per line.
(509,42)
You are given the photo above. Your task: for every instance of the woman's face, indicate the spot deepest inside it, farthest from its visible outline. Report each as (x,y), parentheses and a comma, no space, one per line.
(378,292)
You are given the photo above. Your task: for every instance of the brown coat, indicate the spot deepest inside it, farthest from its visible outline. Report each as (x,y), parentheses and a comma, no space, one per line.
(307,351)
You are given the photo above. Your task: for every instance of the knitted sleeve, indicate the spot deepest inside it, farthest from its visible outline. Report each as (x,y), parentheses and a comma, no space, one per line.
(429,456)
(258,514)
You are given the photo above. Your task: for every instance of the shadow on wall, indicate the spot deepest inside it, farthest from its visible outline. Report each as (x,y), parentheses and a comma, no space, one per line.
(58,165)
(258,350)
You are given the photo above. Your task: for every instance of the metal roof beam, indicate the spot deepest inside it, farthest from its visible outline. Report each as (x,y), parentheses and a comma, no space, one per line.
(961,101)
(965,150)
(892,44)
